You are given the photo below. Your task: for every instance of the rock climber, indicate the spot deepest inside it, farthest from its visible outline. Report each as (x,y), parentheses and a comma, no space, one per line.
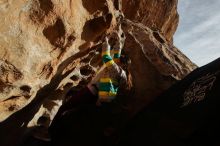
(108,80)
(104,87)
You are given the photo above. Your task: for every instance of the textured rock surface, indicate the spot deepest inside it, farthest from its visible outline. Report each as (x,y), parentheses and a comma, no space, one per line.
(155,63)
(38,35)
(49,46)
(158,15)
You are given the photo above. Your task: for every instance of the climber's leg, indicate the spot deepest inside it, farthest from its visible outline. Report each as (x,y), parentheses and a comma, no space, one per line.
(78,98)
(117,55)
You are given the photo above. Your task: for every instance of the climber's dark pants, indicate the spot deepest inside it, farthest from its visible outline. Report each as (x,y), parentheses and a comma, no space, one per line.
(84,96)
(80,122)
(76,99)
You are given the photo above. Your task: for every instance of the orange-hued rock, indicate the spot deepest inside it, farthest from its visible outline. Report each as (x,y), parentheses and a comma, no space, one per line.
(38,36)
(50,46)
(155,65)
(158,15)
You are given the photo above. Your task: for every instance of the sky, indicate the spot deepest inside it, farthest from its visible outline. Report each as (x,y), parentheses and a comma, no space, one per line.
(198,33)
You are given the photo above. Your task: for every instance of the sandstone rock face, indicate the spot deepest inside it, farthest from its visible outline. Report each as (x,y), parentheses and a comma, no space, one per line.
(50,46)
(155,64)
(38,35)
(158,15)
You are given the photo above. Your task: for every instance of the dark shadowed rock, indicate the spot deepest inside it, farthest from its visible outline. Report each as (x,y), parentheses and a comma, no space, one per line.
(184,115)
(48,47)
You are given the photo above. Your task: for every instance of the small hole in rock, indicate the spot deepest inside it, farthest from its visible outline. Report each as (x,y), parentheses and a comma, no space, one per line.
(26,88)
(42,120)
(46,5)
(116,4)
(158,37)
(70,39)
(75,78)
(108,18)
(94,5)
(83,82)
(89,79)
(95,27)
(122,35)
(56,33)
(68,85)
(27,97)
(11,108)
(86,70)
(85,60)
(12,97)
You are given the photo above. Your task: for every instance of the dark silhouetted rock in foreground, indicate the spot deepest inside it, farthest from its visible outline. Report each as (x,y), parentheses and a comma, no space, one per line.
(187,114)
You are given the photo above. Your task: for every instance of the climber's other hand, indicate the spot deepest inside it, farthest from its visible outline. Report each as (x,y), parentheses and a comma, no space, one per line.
(105,45)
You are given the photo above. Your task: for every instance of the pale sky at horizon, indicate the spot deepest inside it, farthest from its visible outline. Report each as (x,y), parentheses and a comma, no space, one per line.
(198,33)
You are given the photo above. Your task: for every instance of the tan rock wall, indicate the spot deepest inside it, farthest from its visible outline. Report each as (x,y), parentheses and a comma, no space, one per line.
(38,35)
(50,46)
(158,15)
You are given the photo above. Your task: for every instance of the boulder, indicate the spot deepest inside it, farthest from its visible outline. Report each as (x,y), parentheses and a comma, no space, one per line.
(49,46)
(185,114)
